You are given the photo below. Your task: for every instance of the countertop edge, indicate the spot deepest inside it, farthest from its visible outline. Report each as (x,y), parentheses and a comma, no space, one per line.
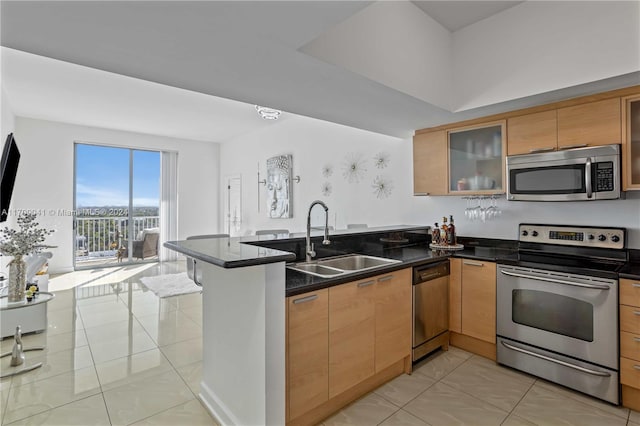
(281,256)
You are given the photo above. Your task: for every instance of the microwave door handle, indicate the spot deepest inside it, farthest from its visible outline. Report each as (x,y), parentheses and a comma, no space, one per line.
(587,178)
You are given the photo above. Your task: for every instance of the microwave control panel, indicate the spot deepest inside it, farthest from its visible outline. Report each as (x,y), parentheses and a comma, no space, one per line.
(613,238)
(603,176)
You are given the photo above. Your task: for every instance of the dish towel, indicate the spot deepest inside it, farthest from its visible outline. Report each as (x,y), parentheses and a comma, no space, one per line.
(170,285)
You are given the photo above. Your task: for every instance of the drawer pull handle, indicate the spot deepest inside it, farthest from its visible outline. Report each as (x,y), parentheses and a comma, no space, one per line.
(370,282)
(636,285)
(637,339)
(636,312)
(470,263)
(557,361)
(387,278)
(636,366)
(305,299)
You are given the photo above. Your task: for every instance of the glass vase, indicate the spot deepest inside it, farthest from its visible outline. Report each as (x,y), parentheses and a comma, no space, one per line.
(17,279)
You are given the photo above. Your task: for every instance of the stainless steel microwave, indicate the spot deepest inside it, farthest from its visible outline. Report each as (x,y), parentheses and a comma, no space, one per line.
(591,173)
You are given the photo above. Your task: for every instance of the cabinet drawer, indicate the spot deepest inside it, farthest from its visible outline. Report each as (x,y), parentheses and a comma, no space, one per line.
(630,372)
(630,345)
(630,319)
(629,292)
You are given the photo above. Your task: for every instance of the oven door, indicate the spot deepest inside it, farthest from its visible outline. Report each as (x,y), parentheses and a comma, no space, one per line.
(574,315)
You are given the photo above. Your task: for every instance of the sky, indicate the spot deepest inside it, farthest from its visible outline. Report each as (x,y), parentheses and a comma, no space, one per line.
(102,177)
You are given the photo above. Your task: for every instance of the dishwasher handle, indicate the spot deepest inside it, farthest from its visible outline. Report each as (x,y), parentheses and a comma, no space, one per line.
(430,272)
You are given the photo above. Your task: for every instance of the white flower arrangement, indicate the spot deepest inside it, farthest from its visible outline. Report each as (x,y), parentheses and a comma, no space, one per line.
(26,240)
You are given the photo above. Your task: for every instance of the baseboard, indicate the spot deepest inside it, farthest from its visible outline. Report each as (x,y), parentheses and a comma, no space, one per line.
(473,345)
(216,407)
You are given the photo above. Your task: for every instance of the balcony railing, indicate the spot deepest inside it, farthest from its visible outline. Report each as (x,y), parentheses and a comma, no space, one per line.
(99,237)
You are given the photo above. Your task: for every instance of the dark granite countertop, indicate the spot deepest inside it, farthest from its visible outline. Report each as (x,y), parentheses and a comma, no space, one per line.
(406,243)
(298,282)
(490,250)
(236,252)
(632,269)
(229,252)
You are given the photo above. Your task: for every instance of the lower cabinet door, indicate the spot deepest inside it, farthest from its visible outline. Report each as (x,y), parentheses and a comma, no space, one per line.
(308,354)
(351,334)
(393,318)
(479,300)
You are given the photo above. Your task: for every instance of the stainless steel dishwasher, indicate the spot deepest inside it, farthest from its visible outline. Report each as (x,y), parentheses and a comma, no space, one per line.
(430,308)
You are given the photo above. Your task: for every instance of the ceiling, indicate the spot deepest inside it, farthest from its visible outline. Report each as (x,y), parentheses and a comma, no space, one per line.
(194,70)
(455,15)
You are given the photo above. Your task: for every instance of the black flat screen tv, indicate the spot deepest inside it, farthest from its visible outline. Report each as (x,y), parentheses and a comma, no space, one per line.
(9,168)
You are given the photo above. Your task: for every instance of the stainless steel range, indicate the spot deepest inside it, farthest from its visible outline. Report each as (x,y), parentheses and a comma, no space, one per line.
(557,307)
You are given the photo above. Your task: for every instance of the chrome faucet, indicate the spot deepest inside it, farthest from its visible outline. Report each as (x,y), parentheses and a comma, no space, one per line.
(310,248)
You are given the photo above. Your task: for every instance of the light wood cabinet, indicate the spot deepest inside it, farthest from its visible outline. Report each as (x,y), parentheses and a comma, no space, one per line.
(630,345)
(629,292)
(455,295)
(476,158)
(460,160)
(592,123)
(369,327)
(588,124)
(479,299)
(532,133)
(351,334)
(308,353)
(472,303)
(345,341)
(430,163)
(630,342)
(631,143)
(393,318)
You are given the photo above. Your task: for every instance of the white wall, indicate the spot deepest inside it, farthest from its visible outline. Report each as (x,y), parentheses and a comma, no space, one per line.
(45,177)
(540,46)
(314,143)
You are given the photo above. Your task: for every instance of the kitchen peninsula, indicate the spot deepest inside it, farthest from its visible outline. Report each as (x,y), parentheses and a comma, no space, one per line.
(245,285)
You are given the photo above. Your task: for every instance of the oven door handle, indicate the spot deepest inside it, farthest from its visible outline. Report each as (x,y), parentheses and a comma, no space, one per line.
(553,280)
(557,361)
(587,178)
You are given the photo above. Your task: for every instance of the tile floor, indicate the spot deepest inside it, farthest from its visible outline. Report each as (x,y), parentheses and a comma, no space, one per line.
(118,355)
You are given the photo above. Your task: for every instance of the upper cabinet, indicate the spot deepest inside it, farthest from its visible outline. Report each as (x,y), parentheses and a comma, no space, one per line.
(460,160)
(631,143)
(476,156)
(430,163)
(533,133)
(456,160)
(588,124)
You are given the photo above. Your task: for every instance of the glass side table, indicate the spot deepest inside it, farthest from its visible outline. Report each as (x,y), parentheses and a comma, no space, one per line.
(17,353)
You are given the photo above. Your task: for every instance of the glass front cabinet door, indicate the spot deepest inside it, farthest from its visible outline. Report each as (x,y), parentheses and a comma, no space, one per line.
(477,159)
(631,143)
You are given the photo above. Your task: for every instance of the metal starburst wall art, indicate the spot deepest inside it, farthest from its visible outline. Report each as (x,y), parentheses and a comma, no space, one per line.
(382,187)
(326,189)
(353,168)
(381,160)
(327,170)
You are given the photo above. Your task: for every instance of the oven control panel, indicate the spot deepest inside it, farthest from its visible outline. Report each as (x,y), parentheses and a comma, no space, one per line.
(613,238)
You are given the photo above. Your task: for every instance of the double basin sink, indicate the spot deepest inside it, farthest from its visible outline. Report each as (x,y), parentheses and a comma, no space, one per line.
(342,265)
